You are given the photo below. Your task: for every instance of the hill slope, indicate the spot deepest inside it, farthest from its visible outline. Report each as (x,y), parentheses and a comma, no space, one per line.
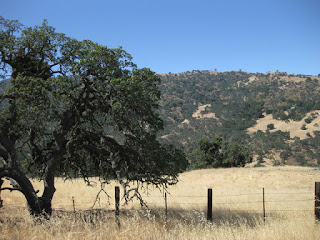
(236,105)
(275,114)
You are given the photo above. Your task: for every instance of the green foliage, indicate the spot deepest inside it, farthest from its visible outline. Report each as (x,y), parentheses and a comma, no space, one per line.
(308,120)
(259,165)
(70,73)
(218,153)
(82,107)
(270,126)
(264,143)
(306,151)
(237,99)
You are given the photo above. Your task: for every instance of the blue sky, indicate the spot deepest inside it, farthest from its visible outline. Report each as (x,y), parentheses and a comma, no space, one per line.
(176,36)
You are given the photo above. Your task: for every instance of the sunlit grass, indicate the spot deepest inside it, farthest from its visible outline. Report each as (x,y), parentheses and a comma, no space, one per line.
(237,211)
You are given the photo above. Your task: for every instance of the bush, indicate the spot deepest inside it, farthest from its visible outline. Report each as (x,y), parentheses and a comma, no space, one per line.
(308,120)
(276,163)
(270,126)
(259,165)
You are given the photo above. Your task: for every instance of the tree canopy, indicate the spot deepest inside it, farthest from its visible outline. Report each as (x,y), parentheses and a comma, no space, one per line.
(77,108)
(219,153)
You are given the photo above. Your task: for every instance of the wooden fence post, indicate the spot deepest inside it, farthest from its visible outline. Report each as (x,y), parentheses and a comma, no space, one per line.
(117,199)
(117,204)
(209,210)
(264,207)
(166,204)
(74,205)
(1,201)
(317,201)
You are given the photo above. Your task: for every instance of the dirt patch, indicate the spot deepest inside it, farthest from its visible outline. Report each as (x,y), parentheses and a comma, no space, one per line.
(186,121)
(199,112)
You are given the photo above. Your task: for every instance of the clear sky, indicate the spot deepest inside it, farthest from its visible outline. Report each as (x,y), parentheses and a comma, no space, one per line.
(181,35)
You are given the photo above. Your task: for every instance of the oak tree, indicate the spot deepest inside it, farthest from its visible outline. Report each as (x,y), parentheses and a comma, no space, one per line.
(77,108)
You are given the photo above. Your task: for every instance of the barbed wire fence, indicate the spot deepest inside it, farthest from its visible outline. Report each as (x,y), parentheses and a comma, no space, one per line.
(259,205)
(263,202)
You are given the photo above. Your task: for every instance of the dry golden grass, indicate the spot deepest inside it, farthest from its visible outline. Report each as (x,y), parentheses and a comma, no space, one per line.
(198,113)
(237,214)
(294,127)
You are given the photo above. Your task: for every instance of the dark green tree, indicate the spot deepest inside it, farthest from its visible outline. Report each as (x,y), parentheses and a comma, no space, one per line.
(270,126)
(77,107)
(218,153)
(235,155)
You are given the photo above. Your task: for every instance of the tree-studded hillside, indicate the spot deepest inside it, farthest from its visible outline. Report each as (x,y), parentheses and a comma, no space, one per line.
(201,104)
(276,114)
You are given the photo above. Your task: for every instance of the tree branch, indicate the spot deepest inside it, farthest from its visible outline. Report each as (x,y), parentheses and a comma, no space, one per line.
(4,154)
(11,189)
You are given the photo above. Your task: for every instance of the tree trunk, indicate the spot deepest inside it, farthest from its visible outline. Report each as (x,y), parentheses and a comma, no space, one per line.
(49,189)
(26,189)
(1,202)
(54,160)
(38,206)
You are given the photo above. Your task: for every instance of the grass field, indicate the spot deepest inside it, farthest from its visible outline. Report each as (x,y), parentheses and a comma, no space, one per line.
(237,213)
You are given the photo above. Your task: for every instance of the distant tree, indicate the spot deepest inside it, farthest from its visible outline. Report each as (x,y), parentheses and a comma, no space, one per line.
(284,155)
(218,153)
(308,80)
(270,126)
(308,120)
(234,155)
(260,159)
(77,106)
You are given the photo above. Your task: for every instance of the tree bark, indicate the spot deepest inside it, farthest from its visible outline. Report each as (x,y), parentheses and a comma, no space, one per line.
(26,189)
(53,161)
(49,188)
(1,202)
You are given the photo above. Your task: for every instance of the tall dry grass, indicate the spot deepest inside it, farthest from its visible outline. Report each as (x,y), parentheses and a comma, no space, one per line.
(237,213)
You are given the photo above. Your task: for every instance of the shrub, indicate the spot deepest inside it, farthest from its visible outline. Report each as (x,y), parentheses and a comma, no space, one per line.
(303,127)
(270,126)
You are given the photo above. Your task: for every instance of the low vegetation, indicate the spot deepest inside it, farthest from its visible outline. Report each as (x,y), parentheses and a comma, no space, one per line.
(237,193)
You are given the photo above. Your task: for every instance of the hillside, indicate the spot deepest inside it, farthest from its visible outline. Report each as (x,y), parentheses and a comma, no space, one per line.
(239,106)
(295,128)
(276,114)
